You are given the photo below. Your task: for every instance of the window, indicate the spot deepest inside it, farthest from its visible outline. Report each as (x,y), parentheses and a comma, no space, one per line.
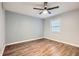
(55,24)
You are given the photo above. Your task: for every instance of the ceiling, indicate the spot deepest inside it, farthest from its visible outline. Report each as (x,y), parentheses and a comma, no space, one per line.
(26,8)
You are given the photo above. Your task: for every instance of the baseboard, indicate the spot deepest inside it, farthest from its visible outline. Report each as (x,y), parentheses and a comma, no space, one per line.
(2,51)
(24,41)
(62,42)
(41,38)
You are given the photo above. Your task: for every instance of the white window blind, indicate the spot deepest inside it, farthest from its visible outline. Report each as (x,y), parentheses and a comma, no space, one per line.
(55,24)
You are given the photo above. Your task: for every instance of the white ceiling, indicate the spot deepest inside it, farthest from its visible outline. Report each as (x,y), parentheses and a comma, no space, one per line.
(26,8)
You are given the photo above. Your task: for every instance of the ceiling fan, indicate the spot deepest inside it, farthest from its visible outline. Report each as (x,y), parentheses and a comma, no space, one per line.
(45,9)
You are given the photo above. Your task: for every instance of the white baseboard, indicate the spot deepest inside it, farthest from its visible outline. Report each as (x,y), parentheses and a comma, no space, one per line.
(62,42)
(24,41)
(1,51)
(41,38)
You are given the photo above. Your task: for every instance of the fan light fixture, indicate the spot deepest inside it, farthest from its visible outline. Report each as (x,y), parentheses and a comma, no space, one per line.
(45,12)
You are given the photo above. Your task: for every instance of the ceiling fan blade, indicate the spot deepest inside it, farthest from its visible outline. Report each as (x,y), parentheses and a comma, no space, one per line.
(49,12)
(53,8)
(38,8)
(41,12)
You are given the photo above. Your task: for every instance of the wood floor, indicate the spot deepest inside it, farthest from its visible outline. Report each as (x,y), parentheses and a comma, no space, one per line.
(41,47)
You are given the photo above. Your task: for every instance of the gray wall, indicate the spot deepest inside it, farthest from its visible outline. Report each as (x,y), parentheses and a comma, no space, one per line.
(69,27)
(20,27)
(2,29)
